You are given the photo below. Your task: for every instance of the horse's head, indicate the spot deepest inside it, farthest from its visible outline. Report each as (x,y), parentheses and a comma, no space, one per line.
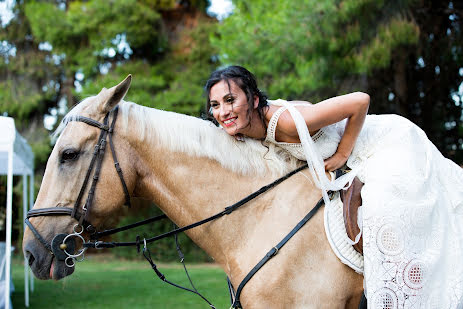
(65,199)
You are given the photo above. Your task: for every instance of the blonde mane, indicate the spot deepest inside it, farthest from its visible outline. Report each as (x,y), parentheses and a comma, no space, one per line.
(200,138)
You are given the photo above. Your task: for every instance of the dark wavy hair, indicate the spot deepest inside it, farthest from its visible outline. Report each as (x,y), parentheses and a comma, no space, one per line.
(245,80)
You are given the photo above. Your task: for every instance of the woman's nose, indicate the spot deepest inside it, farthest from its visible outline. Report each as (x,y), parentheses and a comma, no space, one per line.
(225,109)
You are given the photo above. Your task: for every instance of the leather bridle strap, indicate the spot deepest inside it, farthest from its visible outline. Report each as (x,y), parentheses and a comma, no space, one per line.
(37,235)
(116,163)
(52,211)
(97,157)
(98,235)
(274,251)
(228,210)
(97,160)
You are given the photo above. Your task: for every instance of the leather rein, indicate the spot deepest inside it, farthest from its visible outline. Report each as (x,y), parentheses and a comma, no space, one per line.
(63,246)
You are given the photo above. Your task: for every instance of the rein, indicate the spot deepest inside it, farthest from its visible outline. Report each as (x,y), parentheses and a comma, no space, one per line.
(228,210)
(63,245)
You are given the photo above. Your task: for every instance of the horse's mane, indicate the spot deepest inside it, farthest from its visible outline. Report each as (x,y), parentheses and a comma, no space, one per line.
(199,137)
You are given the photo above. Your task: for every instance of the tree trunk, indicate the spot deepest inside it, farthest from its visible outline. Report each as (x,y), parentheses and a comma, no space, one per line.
(400,82)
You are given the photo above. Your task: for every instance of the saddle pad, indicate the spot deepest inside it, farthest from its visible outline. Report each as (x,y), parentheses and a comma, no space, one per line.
(337,236)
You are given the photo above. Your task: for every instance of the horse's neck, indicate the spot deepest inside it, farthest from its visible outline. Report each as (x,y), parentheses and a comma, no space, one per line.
(189,188)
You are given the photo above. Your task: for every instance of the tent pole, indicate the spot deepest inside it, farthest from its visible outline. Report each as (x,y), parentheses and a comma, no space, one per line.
(9,200)
(26,267)
(31,204)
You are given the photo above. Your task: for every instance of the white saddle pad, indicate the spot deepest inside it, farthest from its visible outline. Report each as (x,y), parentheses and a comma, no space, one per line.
(337,236)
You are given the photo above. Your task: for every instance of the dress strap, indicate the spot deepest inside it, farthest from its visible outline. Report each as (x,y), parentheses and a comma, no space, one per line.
(272,124)
(314,159)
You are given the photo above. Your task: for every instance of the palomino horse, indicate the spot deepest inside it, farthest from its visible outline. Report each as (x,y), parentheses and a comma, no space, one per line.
(192,170)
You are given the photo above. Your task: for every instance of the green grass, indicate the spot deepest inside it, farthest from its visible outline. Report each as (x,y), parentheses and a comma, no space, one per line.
(110,283)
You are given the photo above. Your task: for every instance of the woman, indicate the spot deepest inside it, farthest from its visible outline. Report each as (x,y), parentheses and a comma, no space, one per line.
(412,198)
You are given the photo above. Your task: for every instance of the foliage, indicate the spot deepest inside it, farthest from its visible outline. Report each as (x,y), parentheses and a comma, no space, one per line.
(126,37)
(27,74)
(298,48)
(85,29)
(55,52)
(176,83)
(407,55)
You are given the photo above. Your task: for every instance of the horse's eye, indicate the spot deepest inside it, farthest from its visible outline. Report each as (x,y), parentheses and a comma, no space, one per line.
(69,155)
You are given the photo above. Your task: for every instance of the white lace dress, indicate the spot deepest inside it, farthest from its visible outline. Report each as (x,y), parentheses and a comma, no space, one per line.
(412,211)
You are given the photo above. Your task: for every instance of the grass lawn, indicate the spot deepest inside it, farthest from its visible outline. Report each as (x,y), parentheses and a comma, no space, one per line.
(109,283)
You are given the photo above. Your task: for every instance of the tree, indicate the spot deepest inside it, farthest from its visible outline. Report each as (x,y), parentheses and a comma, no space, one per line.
(316,49)
(56,52)
(29,81)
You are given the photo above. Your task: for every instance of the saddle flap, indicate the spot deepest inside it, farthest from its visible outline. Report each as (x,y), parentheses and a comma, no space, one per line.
(352,200)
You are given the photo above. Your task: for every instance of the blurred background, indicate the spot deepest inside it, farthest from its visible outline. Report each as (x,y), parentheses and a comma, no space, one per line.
(406,54)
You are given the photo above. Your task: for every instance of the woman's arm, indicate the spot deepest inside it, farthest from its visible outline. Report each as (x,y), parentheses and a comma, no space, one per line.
(353,107)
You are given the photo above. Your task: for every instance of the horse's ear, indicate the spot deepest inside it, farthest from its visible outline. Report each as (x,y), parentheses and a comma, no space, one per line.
(114,95)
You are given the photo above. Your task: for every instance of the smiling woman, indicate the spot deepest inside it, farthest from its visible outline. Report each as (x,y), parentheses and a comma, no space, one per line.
(408,184)
(232,111)
(236,102)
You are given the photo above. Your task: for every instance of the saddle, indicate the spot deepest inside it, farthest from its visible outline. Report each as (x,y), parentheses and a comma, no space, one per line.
(352,200)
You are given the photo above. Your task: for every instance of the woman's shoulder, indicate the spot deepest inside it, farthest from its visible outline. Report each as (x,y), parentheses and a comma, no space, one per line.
(281,102)
(300,103)
(279,107)
(280,122)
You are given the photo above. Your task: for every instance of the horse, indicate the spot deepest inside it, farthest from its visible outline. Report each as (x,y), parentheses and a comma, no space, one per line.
(192,169)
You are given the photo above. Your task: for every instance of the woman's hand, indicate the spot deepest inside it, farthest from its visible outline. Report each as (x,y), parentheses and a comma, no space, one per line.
(336,161)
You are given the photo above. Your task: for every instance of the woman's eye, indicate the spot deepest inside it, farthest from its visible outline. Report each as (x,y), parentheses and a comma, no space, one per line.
(230,100)
(69,155)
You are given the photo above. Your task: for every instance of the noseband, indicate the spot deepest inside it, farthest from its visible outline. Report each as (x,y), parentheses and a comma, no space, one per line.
(63,245)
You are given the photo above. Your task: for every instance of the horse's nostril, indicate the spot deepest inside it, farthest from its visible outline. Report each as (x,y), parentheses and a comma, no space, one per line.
(31,258)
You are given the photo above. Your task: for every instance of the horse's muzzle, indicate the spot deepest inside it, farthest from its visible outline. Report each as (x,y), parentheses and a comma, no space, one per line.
(40,261)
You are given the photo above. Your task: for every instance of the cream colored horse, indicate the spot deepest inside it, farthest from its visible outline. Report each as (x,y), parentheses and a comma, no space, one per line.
(193,170)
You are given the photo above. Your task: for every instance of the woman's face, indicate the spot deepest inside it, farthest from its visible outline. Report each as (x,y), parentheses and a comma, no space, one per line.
(230,107)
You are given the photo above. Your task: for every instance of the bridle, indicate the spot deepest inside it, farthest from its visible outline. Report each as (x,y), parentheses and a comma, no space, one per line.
(63,245)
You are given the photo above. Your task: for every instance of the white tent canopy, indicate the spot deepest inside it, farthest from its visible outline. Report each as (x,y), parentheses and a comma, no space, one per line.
(16,158)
